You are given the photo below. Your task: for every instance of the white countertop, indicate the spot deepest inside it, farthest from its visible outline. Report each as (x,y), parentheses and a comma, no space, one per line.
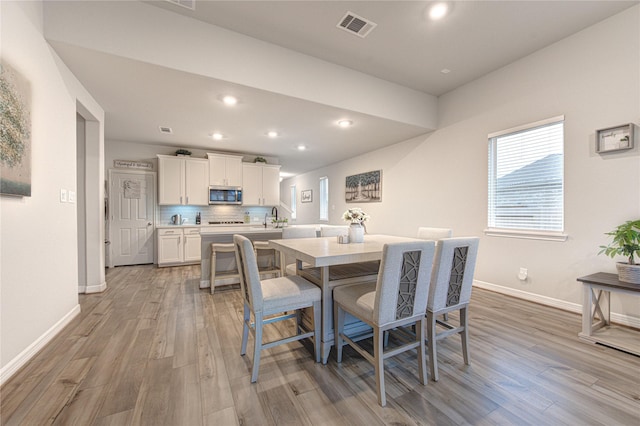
(213,230)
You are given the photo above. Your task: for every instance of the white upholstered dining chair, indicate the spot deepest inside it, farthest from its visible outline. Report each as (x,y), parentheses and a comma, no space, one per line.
(333,231)
(450,290)
(398,298)
(295,232)
(425,233)
(273,296)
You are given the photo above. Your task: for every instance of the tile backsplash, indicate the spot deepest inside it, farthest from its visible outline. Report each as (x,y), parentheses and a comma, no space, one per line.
(214,213)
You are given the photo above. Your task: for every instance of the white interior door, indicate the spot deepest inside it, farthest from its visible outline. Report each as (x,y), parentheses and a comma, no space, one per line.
(132,210)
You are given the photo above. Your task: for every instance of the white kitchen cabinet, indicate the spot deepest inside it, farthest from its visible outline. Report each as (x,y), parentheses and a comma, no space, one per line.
(191,245)
(183,181)
(177,246)
(170,250)
(225,170)
(260,184)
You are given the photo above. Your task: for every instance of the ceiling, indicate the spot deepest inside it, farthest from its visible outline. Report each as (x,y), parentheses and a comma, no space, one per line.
(406,48)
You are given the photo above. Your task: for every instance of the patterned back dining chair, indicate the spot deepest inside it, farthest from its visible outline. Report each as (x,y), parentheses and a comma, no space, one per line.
(450,290)
(398,298)
(264,298)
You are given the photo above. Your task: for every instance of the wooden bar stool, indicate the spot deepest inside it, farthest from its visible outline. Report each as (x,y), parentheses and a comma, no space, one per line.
(221,248)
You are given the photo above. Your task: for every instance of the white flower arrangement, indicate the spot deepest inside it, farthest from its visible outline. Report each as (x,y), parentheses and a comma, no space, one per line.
(355,215)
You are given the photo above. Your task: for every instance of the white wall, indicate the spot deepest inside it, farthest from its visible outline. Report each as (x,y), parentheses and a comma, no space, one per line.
(39,266)
(441,179)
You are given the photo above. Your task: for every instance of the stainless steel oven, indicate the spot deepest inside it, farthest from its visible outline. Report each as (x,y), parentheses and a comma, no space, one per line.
(225,195)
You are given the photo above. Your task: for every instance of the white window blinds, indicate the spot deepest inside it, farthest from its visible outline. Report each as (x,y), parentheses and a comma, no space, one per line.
(526,177)
(324,198)
(293,202)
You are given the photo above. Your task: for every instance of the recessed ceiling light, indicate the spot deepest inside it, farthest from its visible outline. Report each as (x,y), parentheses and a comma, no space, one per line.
(165,130)
(217,136)
(301,147)
(345,123)
(230,100)
(438,11)
(445,70)
(272,134)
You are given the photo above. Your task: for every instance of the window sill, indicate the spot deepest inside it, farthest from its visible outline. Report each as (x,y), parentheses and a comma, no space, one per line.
(527,235)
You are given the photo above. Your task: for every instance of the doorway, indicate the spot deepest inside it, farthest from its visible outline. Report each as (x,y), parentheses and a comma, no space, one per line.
(131,217)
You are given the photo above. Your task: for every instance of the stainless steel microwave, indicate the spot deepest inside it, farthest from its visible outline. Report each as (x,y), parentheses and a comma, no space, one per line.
(225,195)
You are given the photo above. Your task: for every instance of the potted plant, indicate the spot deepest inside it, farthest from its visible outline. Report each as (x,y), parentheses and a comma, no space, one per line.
(357,218)
(626,242)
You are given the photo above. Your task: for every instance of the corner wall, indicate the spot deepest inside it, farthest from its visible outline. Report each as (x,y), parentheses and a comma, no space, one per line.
(441,180)
(38,238)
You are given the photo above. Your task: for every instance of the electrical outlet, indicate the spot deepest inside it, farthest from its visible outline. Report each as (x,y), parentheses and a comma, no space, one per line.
(522,275)
(63,196)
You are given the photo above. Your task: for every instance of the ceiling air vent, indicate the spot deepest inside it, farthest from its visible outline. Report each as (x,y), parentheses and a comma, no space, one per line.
(166,130)
(355,24)
(189,4)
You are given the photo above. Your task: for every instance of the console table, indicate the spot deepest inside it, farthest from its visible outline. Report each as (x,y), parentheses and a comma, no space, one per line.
(596,324)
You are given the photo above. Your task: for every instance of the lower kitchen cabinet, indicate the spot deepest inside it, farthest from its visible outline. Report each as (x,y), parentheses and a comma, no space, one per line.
(178,246)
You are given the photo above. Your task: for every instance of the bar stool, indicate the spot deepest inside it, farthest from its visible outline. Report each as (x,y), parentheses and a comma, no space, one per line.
(272,269)
(221,248)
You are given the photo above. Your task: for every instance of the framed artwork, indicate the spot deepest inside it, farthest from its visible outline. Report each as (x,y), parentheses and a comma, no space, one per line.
(306,196)
(364,187)
(616,138)
(15,139)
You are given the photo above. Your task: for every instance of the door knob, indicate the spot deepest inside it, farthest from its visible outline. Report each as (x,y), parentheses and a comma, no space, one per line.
(149,224)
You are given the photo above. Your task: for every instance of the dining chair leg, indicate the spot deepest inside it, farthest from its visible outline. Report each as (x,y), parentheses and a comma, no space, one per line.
(338,326)
(245,329)
(464,321)
(317,327)
(422,351)
(431,336)
(257,346)
(378,355)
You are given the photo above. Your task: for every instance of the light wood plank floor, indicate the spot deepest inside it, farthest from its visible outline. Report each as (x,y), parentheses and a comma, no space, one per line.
(154,349)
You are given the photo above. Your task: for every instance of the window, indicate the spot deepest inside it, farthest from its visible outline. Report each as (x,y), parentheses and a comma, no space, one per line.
(526,183)
(293,202)
(324,198)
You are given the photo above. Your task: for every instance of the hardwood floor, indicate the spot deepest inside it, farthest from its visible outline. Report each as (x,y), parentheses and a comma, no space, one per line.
(154,349)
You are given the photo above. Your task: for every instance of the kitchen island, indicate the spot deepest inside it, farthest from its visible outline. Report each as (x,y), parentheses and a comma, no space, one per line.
(226,261)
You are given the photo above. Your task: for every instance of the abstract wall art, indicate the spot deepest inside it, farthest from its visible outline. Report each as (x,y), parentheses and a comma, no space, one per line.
(15,133)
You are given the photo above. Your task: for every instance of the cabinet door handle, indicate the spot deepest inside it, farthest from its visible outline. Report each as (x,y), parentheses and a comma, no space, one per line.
(187,200)
(181,199)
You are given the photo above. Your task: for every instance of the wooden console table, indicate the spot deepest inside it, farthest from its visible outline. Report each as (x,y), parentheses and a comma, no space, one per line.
(596,323)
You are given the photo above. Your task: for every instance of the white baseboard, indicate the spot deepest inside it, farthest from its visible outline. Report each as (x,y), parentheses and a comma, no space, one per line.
(555,303)
(16,363)
(96,288)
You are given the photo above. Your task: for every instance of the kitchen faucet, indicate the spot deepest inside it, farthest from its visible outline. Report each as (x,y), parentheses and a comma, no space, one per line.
(276,209)
(265,219)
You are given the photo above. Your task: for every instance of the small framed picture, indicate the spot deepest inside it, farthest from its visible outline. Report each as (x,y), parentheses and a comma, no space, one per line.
(615,138)
(306,196)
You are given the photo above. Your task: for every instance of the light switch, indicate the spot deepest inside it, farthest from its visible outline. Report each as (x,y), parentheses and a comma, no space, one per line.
(72,196)
(63,195)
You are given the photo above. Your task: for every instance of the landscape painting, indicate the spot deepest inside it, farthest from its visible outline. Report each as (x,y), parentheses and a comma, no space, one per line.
(15,133)
(364,187)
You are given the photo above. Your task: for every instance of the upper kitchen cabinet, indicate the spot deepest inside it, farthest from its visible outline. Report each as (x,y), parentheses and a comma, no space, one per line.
(183,180)
(261,184)
(225,170)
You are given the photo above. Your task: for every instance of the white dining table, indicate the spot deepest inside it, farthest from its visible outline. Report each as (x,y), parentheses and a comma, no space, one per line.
(329,264)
